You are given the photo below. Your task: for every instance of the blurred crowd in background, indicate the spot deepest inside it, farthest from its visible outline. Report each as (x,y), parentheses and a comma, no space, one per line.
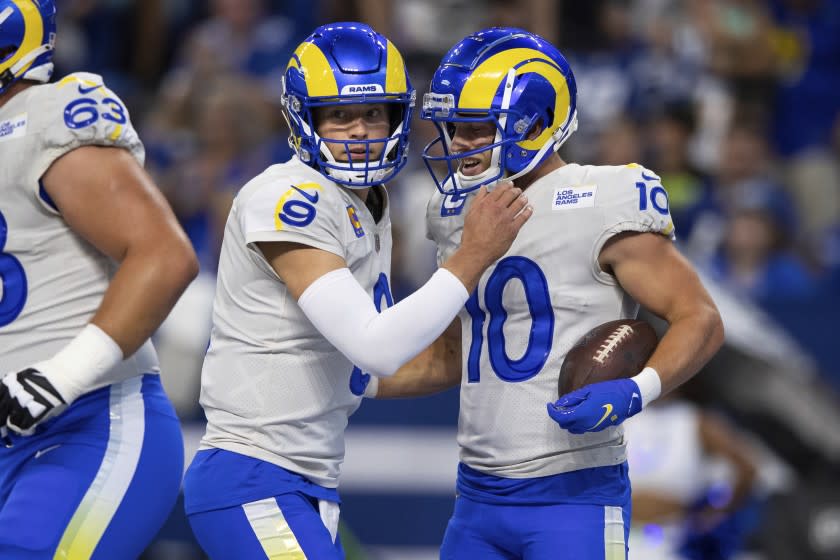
(734,103)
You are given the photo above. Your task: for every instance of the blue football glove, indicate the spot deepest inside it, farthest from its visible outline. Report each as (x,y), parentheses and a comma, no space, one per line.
(597,406)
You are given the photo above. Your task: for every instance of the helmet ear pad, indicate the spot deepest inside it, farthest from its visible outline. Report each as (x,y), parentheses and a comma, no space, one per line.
(533,100)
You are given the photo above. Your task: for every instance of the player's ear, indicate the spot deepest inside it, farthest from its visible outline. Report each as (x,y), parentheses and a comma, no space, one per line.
(536,130)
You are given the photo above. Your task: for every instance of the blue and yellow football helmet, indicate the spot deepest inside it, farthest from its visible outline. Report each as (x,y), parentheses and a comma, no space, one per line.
(348,63)
(515,80)
(27,39)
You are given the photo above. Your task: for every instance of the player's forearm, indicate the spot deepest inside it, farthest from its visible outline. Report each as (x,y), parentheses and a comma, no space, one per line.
(380,343)
(468,266)
(691,341)
(143,291)
(436,369)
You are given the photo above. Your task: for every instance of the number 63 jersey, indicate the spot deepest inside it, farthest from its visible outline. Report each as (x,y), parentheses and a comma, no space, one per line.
(52,280)
(533,304)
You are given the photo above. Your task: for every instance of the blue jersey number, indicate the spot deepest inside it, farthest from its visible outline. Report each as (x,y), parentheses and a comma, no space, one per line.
(85,111)
(381,291)
(13,279)
(542,322)
(658,198)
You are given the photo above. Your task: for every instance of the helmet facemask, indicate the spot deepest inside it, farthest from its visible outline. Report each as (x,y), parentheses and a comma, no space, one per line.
(440,109)
(311,147)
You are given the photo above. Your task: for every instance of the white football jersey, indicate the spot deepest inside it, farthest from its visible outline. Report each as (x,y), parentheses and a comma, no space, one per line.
(530,308)
(272,386)
(51,280)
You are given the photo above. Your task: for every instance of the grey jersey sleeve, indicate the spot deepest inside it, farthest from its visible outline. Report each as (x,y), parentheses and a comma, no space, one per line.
(77,111)
(297,212)
(633,199)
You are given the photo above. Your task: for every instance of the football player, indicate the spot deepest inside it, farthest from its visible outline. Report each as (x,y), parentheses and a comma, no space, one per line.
(532,484)
(303,315)
(91,261)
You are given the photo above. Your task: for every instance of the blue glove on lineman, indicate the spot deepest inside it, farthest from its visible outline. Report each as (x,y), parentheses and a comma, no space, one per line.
(597,406)
(27,398)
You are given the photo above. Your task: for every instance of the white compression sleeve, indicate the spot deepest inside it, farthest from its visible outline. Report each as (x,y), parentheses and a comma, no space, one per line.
(380,343)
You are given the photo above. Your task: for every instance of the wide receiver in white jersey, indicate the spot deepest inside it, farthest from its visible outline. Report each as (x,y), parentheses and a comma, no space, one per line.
(300,320)
(91,262)
(532,484)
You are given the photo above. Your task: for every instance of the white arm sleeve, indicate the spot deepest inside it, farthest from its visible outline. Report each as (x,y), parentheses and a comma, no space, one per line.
(380,343)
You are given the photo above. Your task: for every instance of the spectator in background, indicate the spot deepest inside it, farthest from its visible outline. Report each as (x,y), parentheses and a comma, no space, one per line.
(91,38)
(691,470)
(242,36)
(807,51)
(605,53)
(620,142)
(754,260)
(807,106)
(229,127)
(744,173)
(737,35)
(688,188)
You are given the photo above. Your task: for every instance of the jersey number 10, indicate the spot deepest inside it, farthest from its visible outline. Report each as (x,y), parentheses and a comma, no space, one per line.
(542,322)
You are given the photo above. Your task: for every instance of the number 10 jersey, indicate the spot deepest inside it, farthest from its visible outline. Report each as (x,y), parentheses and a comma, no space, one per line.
(533,304)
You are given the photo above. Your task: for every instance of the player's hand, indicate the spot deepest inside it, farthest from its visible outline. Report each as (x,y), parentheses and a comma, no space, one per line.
(494,219)
(597,406)
(27,398)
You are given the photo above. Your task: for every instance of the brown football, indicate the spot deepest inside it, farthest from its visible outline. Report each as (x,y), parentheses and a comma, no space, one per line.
(612,350)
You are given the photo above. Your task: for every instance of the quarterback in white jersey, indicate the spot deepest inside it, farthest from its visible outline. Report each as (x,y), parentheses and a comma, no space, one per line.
(537,482)
(303,313)
(91,261)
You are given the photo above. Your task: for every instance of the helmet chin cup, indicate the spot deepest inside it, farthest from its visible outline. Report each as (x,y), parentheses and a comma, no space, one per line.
(469,183)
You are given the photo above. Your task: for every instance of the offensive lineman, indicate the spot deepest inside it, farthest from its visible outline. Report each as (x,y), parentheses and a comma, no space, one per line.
(533,485)
(91,261)
(303,276)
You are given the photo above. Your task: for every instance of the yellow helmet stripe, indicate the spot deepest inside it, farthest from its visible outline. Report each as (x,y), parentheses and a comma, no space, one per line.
(33,34)
(395,80)
(481,86)
(320,80)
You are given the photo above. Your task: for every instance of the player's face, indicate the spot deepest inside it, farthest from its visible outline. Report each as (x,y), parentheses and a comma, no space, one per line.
(353,122)
(471,136)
